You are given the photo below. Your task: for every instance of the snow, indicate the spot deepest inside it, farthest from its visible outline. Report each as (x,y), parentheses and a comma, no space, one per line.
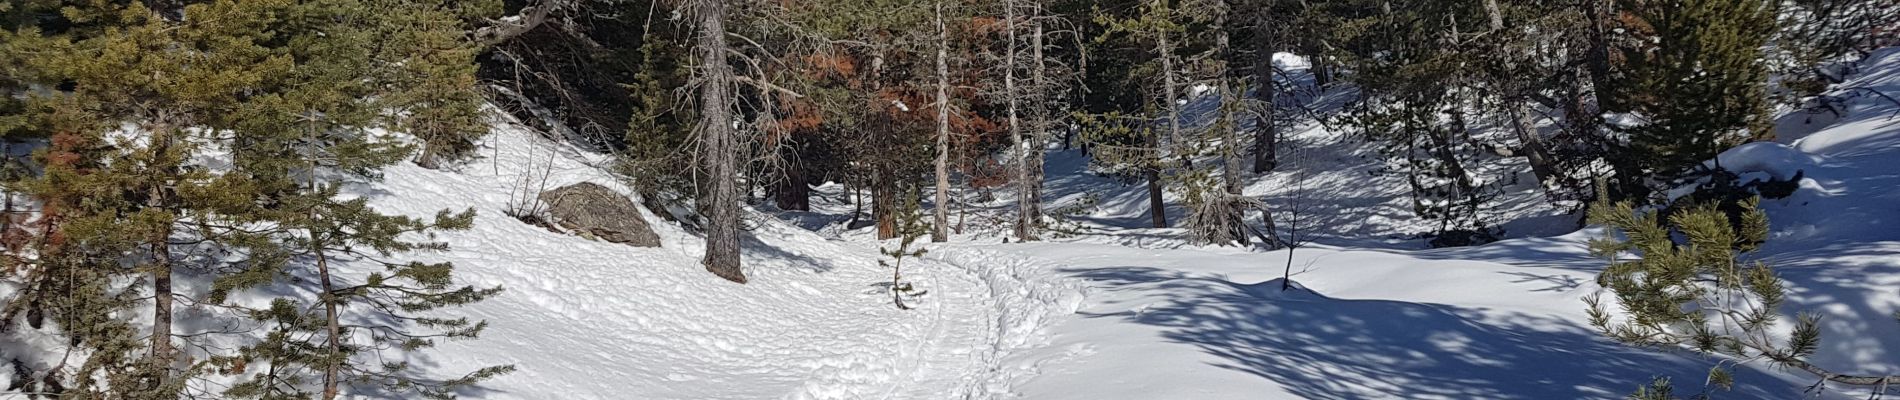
(586,319)
(1116,311)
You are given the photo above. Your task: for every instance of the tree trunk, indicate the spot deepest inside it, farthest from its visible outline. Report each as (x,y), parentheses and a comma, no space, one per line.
(884,201)
(1599,14)
(1515,99)
(1031,197)
(719,142)
(157,199)
(1157,209)
(1167,87)
(1533,144)
(1023,226)
(941,233)
(1230,139)
(162,352)
(1266,140)
(333,343)
(884,178)
(792,191)
(1497,15)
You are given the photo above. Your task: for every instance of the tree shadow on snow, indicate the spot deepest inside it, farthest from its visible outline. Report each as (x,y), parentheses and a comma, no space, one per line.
(1323,348)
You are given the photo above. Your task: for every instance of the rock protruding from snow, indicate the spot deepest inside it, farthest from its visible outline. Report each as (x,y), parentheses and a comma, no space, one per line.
(601,212)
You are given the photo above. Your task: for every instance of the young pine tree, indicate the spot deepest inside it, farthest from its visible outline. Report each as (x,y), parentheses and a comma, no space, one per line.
(1696,286)
(910,227)
(432,78)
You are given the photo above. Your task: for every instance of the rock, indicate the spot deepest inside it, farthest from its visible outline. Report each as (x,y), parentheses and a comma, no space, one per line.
(595,210)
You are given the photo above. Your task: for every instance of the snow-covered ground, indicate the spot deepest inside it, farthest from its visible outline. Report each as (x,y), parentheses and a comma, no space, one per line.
(583,319)
(1117,312)
(1128,313)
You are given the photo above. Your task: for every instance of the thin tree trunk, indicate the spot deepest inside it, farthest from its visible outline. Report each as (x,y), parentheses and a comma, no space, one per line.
(1031,196)
(1230,140)
(1521,122)
(1598,60)
(1167,87)
(6,211)
(719,143)
(941,232)
(334,343)
(1157,210)
(1023,224)
(1266,140)
(884,201)
(161,304)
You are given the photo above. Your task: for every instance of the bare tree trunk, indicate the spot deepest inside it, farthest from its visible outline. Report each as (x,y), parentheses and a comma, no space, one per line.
(941,232)
(1156,205)
(1167,87)
(1521,122)
(6,210)
(1031,196)
(719,143)
(1266,140)
(1023,225)
(333,344)
(884,178)
(1157,210)
(1600,14)
(1230,140)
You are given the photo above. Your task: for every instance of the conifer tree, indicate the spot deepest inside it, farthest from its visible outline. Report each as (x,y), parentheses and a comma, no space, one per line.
(306,139)
(433,84)
(1699,89)
(910,228)
(143,88)
(1152,26)
(1696,285)
(145,96)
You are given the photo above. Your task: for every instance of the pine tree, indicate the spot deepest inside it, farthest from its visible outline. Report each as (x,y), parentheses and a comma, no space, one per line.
(434,94)
(142,86)
(1415,101)
(305,139)
(1150,27)
(144,95)
(1696,286)
(910,228)
(1699,88)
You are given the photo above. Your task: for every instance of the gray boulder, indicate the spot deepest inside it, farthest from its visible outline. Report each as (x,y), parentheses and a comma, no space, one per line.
(598,211)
